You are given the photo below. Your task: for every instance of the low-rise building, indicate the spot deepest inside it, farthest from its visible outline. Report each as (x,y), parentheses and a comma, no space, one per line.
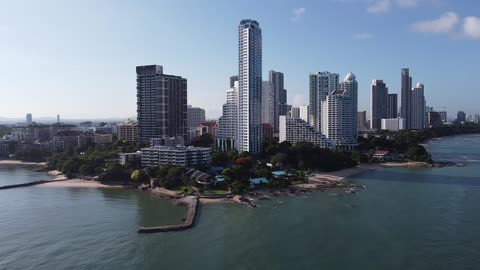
(176,155)
(127,132)
(125,158)
(210,127)
(297,130)
(103,138)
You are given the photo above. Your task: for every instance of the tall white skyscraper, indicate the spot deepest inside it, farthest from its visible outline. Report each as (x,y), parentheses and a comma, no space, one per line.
(250,87)
(418,107)
(339,114)
(228,123)
(321,85)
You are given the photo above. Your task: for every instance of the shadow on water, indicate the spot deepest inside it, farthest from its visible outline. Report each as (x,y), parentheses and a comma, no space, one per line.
(408,177)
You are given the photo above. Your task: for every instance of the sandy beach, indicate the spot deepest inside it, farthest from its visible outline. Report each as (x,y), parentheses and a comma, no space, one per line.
(19,162)
(79,183)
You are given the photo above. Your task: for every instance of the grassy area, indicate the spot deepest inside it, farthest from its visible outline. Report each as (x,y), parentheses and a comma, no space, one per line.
(216,192)
(183,190)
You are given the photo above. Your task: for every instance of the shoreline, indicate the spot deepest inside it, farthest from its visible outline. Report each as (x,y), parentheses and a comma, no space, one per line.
(20,162)
(78,183)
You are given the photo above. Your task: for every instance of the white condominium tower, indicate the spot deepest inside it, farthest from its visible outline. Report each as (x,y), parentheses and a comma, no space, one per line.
(250,87)
(418,107)
(228,123)
(339,114)
(321,85)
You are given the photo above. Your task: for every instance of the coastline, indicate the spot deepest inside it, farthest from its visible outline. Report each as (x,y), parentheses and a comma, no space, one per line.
(79,183)
(20,162)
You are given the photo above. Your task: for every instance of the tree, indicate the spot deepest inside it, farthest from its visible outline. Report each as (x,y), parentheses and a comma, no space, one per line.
(246,162)
(139,176)
(114,173)
(205,140)
(220,159)
(279,160)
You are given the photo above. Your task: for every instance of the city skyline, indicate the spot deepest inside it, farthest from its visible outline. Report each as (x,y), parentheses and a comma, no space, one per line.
(49,45)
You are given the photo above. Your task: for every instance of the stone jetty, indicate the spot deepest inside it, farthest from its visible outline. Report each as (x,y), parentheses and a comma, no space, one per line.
(192,203)
(30,184)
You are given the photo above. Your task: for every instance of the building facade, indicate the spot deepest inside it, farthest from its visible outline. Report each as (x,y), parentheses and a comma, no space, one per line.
(395,124)
(250,87)
(321,84)
(339,114)
(127,132)
(362,120)
(392,106)
(418,110)
(228,123)
(161,103)
(295,112)
(378,103)
(406,85)
(296,130)
(188,157)
(305,113)
(461,116)
(195,116)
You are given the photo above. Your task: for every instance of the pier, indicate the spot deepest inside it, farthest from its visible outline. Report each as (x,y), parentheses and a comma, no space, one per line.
(30,184)
(192,203)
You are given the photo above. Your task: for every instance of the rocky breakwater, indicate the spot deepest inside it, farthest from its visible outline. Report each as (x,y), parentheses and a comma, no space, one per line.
(192,203)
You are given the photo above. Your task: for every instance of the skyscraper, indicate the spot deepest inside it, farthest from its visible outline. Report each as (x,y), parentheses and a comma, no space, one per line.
(418,107)
(362,120)
(321,85)
(161,104)
(406,97)
(339,114)
(461,116)
(268,103)
(250,87)
(392,106)
(274,99)
(378,104)
(228,122)
(29,118)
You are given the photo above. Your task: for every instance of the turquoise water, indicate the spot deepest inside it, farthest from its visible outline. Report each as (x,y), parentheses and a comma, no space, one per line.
(405,219)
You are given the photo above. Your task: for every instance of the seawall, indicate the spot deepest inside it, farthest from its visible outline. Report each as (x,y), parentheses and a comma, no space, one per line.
(30,184)
(192,203)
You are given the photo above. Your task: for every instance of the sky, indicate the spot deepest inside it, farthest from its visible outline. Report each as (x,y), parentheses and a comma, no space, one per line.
(78,58)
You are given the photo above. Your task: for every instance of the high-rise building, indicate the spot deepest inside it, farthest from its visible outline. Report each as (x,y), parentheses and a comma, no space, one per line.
(378,103)
(321,85)
(362,120)
(476,118)
(58,118)
(406,97)
(304,113)
(268,103)
(228,122)
(274,99)
(443,115)
(233,79)
(29,118)
(296,130)
(339,114)
(195,116)
(461,116)
(161,104)
(392,106)
(418,107)
(250,87)
(295,112)
(435,119)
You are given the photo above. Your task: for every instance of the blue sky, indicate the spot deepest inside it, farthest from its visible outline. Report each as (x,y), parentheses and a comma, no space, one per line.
(78,58)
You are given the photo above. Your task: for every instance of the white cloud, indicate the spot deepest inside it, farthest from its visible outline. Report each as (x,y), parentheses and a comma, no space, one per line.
(471,27)
(379,6)
(362,36)
(297,13)
(447,23)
